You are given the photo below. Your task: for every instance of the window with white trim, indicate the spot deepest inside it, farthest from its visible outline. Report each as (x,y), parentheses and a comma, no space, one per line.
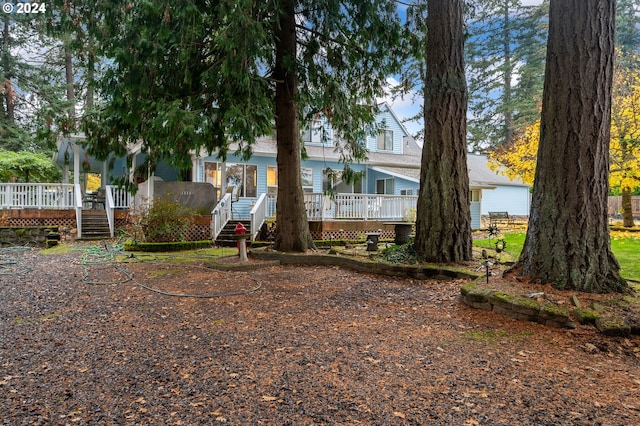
(272,180)
(307,179)
(243,178)
(385,186)
(332,180)
(213,175)
(385,140)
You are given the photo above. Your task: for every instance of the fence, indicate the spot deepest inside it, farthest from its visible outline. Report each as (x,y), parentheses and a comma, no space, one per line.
(615,206)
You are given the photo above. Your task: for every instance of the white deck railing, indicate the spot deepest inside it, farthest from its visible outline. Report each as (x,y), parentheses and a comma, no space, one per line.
(360,207)
(59,196)
(120,196)
(318,205)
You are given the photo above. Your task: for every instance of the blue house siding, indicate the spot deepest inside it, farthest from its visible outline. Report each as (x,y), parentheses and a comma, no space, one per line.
(243,206)
(406,185)
(475,213)
(512,199)
(399,183)
(388,122)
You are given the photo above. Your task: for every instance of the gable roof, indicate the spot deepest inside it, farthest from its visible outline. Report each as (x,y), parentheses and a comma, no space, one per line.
(385,106)
(480,175)
(480,171)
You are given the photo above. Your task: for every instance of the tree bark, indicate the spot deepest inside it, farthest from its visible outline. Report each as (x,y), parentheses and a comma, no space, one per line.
(293,232)
(9,94)
(443,225)
(508,71)
(627,208)
(567,241)
(71,95)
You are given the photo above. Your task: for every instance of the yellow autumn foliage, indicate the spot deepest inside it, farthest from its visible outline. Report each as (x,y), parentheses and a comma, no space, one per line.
(518,159)
(93,182)
(624,149)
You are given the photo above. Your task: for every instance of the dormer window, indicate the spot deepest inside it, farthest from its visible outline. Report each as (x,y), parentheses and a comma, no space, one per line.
(385,140)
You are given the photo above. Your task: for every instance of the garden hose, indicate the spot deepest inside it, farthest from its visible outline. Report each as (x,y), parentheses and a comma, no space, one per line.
(9,261)
(97,256)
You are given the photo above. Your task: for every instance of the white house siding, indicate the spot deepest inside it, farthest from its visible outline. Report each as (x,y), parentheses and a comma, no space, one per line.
(512,199)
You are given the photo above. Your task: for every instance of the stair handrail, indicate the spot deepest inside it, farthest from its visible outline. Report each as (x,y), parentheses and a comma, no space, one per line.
(78,207)
(220,215)
(109,206)
(258,215)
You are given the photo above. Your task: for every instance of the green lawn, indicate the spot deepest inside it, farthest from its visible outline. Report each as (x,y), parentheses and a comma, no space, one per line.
(625,245)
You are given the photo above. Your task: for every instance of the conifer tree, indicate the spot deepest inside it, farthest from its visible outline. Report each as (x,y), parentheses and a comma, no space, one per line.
(187,75)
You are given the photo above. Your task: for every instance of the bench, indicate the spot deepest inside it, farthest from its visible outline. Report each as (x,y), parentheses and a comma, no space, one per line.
(502,218)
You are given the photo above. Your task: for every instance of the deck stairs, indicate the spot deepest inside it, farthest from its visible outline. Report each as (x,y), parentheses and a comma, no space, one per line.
(95,225)
(227,237)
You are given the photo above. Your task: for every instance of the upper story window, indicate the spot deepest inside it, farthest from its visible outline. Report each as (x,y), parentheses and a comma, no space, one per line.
(307,179)
(385,140)
(316,133)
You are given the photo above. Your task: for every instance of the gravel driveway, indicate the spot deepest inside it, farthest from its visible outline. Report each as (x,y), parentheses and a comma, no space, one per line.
(100,343)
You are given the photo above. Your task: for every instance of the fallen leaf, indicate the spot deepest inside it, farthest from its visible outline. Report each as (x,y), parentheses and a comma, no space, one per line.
(399,414)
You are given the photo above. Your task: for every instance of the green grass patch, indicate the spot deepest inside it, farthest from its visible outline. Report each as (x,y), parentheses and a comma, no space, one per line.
(514,240)
(48,317)
(485,336)
(492,335)
(58,249)
(625,246)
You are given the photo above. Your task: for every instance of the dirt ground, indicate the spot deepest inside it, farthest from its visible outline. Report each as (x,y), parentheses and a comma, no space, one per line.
(86,341)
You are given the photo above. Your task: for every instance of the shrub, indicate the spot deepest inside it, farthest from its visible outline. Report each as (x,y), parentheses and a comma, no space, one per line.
(165,221)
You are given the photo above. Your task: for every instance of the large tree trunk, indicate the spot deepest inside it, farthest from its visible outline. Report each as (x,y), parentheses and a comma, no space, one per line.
(508,71)
(9,94)
(293,232)
(68,72)
(567,241)
(627,208)
(443,226)
(71,95)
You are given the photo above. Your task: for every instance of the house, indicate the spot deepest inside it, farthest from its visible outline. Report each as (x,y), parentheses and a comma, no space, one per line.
(507,195)
(387,192)
(392,169)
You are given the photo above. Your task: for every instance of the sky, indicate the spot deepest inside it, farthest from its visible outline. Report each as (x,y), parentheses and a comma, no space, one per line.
(409,105)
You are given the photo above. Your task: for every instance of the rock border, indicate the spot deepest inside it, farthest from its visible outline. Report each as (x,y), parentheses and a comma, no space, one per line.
(517,307)
(525,308)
